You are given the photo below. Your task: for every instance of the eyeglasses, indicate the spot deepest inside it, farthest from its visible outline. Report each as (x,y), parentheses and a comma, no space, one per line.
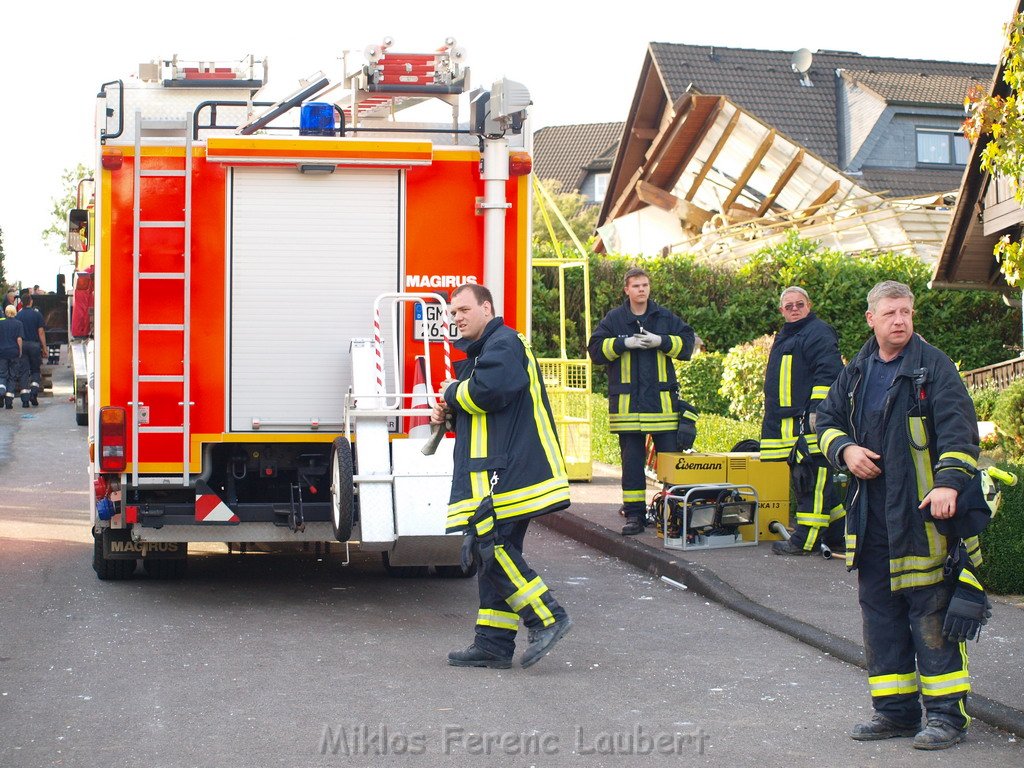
(794,305)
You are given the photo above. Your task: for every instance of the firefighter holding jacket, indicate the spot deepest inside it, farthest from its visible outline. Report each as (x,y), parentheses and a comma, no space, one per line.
(900,420)
(803,363)
(637,342)
(508,469)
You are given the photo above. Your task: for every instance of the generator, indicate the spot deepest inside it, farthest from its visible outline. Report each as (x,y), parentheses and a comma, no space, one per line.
(715,488)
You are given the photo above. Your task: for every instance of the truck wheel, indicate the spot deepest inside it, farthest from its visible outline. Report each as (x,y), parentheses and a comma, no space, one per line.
(82,419)
(109,570)
(342,492)
(166,569)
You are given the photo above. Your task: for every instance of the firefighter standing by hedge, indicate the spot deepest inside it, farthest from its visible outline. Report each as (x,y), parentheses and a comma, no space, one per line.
(901,421)
(803,363)
(638,341)
(508,469)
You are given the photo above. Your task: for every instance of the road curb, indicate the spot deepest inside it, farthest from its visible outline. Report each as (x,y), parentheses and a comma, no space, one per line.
(706,583)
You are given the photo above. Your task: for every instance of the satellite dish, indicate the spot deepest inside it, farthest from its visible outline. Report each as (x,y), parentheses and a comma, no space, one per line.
(801,61)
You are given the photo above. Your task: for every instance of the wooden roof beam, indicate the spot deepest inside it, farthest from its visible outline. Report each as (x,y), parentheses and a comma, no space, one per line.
(783,180)
(820,200)
(716,150)
(693,215)
(748,171)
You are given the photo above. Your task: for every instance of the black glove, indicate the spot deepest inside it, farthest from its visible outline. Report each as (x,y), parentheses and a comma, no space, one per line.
(687,432)
(969,609)
(481,531)
(468,551)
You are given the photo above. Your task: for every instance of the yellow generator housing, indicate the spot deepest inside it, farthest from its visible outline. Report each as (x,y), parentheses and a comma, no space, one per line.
(769,478)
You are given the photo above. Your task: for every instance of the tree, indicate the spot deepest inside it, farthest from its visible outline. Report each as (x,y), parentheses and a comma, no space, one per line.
(581,216)
(2,281)
(56,233)
(1000,118)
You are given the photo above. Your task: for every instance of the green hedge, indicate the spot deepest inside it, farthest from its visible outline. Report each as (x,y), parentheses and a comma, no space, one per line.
(699,382)
(743,379)
(729,306)
(1008,416)
(1002,543)
(985,399)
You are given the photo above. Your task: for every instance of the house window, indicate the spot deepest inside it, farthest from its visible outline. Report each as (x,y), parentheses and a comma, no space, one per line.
(941,148)
(601,186)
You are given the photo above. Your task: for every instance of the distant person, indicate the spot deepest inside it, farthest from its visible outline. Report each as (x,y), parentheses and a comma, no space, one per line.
(803,363)
(901,421)
(11,299)
(10,356)
(638,342)
(33,345)
(508,470)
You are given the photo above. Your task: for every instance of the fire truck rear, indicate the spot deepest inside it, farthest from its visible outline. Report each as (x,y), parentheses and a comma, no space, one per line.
(270,294)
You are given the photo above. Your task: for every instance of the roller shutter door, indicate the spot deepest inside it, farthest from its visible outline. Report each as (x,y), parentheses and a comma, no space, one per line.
(308,256)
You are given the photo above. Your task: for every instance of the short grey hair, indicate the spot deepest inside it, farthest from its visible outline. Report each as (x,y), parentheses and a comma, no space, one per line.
(793,289)
(888,289)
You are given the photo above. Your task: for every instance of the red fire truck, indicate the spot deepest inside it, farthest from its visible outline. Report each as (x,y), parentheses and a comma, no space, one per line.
(267,274)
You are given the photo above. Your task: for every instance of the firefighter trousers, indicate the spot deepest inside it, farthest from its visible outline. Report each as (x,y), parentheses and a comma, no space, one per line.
(509,591)
(819,511)
(633,449)
(907,657)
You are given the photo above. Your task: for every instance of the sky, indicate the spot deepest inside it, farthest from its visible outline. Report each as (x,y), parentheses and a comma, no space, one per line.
(579,66)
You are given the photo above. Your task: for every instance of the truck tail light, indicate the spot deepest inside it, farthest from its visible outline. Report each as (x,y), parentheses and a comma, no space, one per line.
(99,487)
(519,163)
(112,438)
(112,158)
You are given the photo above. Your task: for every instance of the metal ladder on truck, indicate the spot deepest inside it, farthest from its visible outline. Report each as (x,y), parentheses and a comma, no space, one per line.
(142,271)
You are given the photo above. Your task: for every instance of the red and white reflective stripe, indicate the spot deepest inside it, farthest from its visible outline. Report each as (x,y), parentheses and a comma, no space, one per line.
(378,347)
(419,426)
(447,345)
(210,508)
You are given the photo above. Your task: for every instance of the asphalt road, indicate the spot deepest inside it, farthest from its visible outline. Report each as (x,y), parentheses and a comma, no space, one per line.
(281,660)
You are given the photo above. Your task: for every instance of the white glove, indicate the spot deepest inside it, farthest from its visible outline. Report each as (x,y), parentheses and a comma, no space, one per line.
(634,342)
(650,340)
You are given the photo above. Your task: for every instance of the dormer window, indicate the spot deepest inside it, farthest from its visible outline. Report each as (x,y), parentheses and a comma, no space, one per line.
(938,147)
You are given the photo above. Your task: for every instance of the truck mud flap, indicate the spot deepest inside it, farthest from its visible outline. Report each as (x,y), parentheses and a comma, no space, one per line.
(118,545)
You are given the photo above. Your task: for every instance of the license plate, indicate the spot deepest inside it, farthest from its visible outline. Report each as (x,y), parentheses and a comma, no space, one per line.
(437,329)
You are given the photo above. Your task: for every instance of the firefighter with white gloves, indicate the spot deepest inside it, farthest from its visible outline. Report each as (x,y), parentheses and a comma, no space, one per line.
(11,333)
(638,342)
(508,469)
(803,362)
(900,420)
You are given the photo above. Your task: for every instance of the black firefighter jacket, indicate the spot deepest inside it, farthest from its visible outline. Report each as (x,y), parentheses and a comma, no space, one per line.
(642,389)
(503,425)
(930,440)
(803,363)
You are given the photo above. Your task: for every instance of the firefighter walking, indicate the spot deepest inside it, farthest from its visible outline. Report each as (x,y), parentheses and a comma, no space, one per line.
(901,421)
(637,342)
(508,469)
(803,363)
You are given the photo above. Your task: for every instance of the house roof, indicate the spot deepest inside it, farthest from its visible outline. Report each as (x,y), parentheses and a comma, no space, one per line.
(764,83)
(916,87)
(907,182)
(567,152)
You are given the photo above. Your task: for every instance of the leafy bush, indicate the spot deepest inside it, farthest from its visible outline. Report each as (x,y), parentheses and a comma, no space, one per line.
(743,379)
(1002,543)
(728,306)
(1008,416)
(699,380)
(984,398)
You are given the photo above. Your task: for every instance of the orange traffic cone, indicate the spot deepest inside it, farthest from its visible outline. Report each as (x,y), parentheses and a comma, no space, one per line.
(419,426)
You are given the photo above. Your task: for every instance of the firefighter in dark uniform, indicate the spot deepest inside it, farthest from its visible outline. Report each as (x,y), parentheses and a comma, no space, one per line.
(803,363)
(638,341)
(900,420)
(32,348)
(11,334)
(508,469)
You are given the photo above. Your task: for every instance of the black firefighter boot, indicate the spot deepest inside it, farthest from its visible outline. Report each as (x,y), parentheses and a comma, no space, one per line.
(25,394)
(9,402)
(634,525)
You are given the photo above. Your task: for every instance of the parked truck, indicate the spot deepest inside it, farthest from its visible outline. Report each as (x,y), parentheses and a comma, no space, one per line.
(267,274)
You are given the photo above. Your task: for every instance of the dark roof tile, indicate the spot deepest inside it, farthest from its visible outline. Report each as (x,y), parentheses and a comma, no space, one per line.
(567,152)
